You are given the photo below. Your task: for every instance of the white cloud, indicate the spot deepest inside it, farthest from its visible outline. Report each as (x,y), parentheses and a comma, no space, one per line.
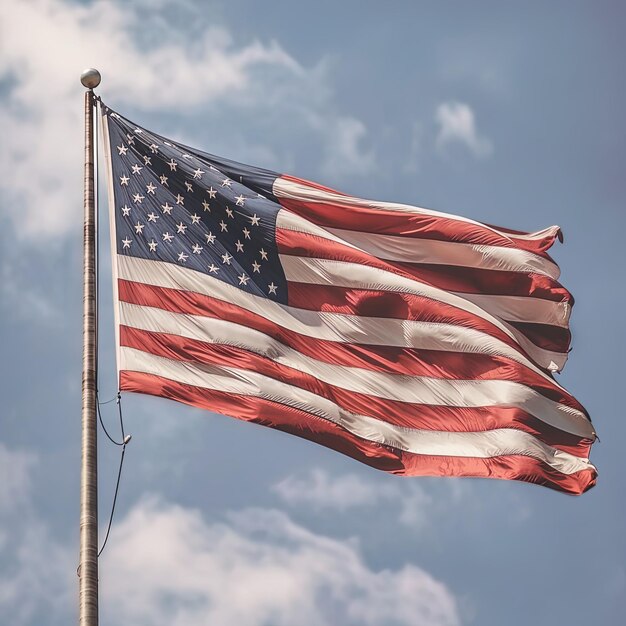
(345,153)
(35,571)
(19,297)
(147,62)
(168,565)
(15,470)
(320,491)
(415,154)
(416,504)
(457,124)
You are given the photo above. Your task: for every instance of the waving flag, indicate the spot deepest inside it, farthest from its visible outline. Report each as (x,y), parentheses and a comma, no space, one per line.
(417,342)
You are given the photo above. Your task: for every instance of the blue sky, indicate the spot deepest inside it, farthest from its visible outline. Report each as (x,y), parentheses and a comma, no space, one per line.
(509,113)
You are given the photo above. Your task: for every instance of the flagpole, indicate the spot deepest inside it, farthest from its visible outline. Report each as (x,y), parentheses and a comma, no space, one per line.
(88,563)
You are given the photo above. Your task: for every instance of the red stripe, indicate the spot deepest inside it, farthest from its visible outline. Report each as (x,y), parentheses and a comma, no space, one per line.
(382,221)
(489,282)
(554,338)
(326,433)
(405,414)
(414,362)
(312,246)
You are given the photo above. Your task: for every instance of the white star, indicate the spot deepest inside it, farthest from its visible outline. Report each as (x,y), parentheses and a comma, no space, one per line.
(126,243)
(254,220)
(163,178)
(211,192)
(196,248)
(123,149)
(206,206)
(256,267)
(138,131)
(272,288)
(229,212)
(195,218)
(172,165)
(125,210)
(152,245)
(213,268)
(246,233)
(189,186)
(147,160)
(167,237)
(239,246)
(182,257)
(150,188)
(124,180)
(243,279)
(263,254)
(180,199)
(187,156)
(240,200)
(154,148)
(210,238)
(130,139)
(137,168)
(223,226)
(227,182)
(166,208)
(198,173)
(226,258)
(138,198)
(181,228)
(152,217)
(139,228)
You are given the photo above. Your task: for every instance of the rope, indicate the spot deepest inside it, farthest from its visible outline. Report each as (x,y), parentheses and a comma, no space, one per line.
(125,440)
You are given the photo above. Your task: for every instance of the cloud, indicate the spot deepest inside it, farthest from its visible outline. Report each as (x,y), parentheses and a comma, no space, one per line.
(345,154)
(169,565)
(15,468)
(36,573)
(417,504)
(457,125)
(147,62)
(320,491)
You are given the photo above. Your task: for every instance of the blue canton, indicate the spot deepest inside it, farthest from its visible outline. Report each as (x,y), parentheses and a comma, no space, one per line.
(178,205)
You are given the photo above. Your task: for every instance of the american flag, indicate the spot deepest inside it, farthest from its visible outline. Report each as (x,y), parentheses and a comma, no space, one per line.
(418,342)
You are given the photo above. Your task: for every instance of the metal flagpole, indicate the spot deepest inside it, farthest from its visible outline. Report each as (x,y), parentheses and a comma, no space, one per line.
(88,564)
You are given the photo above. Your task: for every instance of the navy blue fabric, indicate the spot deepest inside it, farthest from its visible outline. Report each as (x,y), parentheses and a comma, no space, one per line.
(177,204)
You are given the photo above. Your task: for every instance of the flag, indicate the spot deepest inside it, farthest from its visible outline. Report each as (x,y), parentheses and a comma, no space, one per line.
(418,342)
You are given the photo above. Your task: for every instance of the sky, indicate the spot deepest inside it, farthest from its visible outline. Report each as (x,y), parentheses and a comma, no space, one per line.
(508,113)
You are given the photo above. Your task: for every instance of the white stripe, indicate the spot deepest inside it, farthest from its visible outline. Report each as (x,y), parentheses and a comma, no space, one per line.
(292,190)
(104,119)
(328,326)
(523,308)
(550,231)
(345,274)
(412,250)
(388,247)
(398,387)
(487,444)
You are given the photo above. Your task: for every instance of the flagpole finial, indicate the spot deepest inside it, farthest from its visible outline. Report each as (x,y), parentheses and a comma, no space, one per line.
(90,78)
